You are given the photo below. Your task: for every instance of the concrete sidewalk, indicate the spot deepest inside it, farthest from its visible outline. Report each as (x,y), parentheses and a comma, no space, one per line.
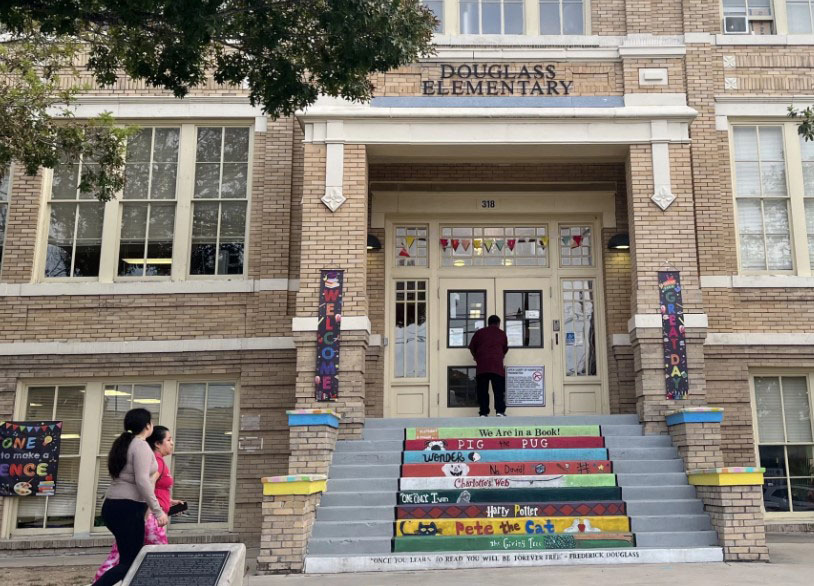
(792,563)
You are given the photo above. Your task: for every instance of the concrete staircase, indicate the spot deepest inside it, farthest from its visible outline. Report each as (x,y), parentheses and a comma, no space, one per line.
(355,521)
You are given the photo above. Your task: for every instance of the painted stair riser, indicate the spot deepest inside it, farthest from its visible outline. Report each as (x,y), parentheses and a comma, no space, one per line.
(514,495)
(439,457)
(512,543)
(510,421)
(509,443)
(412,433)
(443,528)
(497,482)
(505,468)
(510,510)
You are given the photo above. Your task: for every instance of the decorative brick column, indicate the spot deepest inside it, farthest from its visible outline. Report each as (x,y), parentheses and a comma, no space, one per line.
(696,432)
(732,496)
(289,510)
(733,499)
(312,440)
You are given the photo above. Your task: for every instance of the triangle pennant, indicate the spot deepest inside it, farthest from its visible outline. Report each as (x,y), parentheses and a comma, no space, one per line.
(59,425)
(543,240)
(511,243)
(566,240)
(403,252)
(444,243)
(477,243)
(455,243)
(489,243)
(465,244)
(410,240)
(577,241)
(499,244)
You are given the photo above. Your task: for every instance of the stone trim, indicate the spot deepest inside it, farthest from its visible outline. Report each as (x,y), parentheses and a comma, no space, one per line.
(147,346)
(190,286)
(348,323)
(755,281)
(653,320)
(759,339)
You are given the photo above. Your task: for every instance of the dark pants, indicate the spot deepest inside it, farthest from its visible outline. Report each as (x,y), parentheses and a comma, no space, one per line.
(125,519)
(498,388)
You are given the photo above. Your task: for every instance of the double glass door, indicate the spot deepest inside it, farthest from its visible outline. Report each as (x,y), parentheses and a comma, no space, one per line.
(524,308)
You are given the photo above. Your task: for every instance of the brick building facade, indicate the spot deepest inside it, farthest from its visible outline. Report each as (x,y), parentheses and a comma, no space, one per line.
(212,323)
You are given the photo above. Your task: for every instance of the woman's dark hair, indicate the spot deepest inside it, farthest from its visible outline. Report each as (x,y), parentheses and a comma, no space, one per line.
(135,421)
(159,435)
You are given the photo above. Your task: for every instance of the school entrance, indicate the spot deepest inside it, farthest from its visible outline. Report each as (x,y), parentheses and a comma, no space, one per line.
(447,271)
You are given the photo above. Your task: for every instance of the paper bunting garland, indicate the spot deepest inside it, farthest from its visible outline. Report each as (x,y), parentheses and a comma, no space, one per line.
(465,244)
(499,244)
(566,240)
(489,243)
(477,243)
(510,243)
(410,240)
(403,252)
(577,240)
(455,242)
(543,240)
(444,244)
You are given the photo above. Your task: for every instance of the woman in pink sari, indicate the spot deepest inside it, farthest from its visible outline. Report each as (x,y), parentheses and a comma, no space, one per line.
(163,445)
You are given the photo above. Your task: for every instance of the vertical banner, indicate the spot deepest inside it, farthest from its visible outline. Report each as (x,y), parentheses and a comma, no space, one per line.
(330,316)
(672,329)
(29,455)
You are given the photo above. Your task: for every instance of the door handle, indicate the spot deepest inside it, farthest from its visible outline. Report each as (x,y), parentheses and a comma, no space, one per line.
(557,338)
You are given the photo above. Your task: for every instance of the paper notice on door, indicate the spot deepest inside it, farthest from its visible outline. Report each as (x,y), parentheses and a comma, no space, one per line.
(514,332)
(532,314)
(477,324)
(525,386)
(456,337)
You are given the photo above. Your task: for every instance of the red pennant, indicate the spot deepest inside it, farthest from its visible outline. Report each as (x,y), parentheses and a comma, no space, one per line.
(510,243)
(403,252)
(444,243)
(578,240)
(455,242)
(44,428)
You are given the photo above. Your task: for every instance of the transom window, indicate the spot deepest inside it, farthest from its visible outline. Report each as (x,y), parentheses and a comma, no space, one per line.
(200,415)
(562,17)
(182,211)
(411,246)
(491,17)
(576,246)
(800,16)
(494,246)
(5,183)
(785,442)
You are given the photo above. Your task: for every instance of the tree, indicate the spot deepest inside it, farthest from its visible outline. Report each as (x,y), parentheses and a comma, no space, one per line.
(287,52)
(806,117)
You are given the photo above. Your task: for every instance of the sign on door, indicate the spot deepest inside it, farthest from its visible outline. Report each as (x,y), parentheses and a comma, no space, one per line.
(525,386)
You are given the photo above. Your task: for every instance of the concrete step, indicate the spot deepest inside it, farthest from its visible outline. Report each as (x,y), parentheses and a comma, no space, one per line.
(342,546)
(664,523)
(364,471)
(337,498)
(363,485)
(367,458)
(665,507)
(642,466)
(638,441)
(387,434)
(353,529)
(357,513)
(370,445)
(648,479)
(384,423)
(337,563)
(676,539)
(656,453)
(656,493)
(397,433)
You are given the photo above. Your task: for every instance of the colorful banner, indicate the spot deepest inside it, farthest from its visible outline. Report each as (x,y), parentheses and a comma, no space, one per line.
(425,433)
(514,443)
(672,328)
(510,495)
(510,510)
(330,317)
(490,482)
(29,456)
(516,542)
(505,468)
(512,526)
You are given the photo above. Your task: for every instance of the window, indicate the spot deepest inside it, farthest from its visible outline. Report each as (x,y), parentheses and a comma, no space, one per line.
(523,311)
(800,16)
(56,403)
(462,387)
(762,198)
(200,415)
(411,246)
(807,154)
(75,229)
(785,442)
(219,207)
(576,246)
(437,8)
(578,327)
(494,246)
(562,17)
(748,17)
(466,315)
(410,349)
(491,17)
(148,206)
(182,211)
(5,183)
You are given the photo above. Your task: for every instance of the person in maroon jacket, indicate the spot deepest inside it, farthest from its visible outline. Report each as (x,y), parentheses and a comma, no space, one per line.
(488,346)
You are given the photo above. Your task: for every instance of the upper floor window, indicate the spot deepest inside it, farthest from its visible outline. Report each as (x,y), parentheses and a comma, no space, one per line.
(491,17)
(437,8)
(800,16)
(5,183)
(774,198)
(562,17)
(182,210)
(748,17)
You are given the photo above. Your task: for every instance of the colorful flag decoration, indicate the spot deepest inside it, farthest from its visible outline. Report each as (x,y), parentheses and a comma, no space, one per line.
(543,240)
(410,240)
(444,243)
(465,244)
(566,240)
(403,252)
(477,243)
(489,243)
(455,243)
(577,241)
(499,244)
(510,243)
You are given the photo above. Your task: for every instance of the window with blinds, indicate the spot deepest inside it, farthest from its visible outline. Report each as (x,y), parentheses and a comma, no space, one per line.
(785,442)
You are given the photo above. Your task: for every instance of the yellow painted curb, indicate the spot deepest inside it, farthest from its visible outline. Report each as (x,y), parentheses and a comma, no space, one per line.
(727,479)
(299,487)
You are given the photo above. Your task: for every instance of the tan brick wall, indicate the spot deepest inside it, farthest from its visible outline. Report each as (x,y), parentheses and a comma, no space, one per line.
(657,17)
(266,390)
(675,75)
(736,514)
(21,227)
(607,17)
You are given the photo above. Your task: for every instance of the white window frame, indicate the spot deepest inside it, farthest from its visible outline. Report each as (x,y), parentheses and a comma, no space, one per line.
(782,7)
(90,442)
(801,265)
(771,18)
(7,203)
(523,4)
(182,237)
(531,18)
(585,16)
(779,373)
